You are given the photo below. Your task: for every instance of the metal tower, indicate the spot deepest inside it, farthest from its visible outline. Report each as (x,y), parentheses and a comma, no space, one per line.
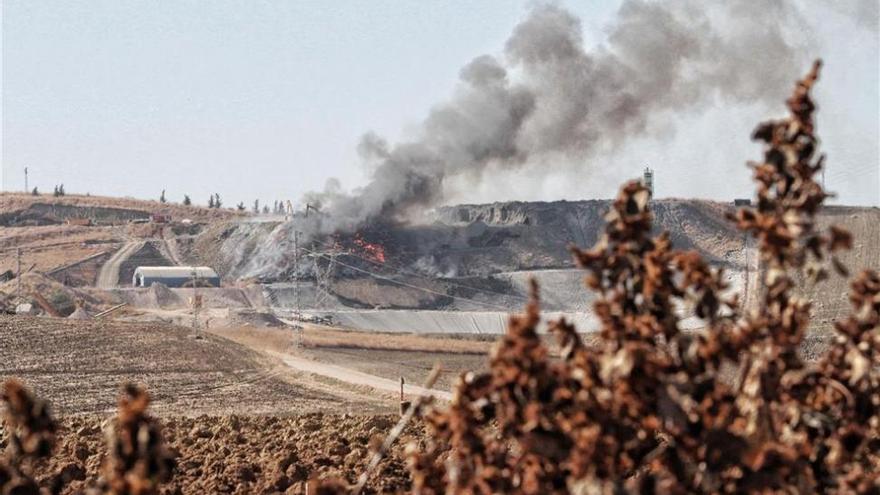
(648,181)
(324,275)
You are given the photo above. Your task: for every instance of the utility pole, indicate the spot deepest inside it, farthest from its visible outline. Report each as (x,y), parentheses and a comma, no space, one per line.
(196,302)
(296,307)
(26,189)
(323,277)
(296,302)
(18,277)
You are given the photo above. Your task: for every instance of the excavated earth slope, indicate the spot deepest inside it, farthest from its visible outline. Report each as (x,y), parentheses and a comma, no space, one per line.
(466,258)
(477,240)
(479,258)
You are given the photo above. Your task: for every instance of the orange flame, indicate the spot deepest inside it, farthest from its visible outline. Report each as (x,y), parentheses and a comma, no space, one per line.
(372,251)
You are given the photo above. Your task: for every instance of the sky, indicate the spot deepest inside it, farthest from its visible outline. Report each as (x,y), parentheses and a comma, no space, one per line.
(268,100)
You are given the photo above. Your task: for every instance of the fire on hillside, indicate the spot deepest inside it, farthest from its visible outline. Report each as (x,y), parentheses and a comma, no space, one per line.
(373,251)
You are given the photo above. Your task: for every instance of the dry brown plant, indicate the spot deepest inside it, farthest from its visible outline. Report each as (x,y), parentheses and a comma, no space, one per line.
(138,459)
(30,435)
(650,409)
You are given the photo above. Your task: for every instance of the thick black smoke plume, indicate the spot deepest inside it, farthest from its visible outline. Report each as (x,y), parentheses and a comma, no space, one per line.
(547,96)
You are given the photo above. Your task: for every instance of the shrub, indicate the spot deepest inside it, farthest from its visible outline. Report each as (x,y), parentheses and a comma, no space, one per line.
(30,432)
(649,409)
(137,461)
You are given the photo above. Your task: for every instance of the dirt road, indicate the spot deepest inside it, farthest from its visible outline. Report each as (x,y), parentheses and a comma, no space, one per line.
(372,357)
(356,377)
(108,277)
(170,246)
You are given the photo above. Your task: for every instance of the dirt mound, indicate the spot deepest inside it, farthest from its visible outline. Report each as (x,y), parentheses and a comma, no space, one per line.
(474,257)
(157,296)
(61,297)
(260,319)
(236,454)
(79,314)
(470,240)
(163,297)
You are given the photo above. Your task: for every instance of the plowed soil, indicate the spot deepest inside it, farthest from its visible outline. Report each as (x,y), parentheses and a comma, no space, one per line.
(235,454)
(79,366)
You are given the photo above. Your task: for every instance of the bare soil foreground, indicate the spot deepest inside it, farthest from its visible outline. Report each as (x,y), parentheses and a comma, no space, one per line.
(245,454)
(240,421)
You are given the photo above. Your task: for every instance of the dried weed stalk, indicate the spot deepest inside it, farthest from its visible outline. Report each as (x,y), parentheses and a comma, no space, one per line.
(138,459)
(30,435)
(649,409)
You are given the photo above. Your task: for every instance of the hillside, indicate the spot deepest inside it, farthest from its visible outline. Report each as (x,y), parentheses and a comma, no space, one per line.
(45,209)
(467,257)
(474,258)
(41,227)
(476,240)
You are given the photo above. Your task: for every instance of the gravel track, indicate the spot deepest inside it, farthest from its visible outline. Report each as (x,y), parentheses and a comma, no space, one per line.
(108,277)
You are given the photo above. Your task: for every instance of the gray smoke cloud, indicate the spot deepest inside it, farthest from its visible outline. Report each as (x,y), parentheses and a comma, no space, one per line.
(547,95)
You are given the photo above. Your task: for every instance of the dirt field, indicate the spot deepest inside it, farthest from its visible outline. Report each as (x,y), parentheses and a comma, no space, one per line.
(830,298)
(79,365)
(240,421)
(240,455)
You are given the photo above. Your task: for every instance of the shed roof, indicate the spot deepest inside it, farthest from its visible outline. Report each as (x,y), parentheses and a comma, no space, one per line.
(175,271)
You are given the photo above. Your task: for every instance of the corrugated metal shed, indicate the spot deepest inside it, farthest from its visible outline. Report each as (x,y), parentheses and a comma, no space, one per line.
(174,276)
(176,271)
